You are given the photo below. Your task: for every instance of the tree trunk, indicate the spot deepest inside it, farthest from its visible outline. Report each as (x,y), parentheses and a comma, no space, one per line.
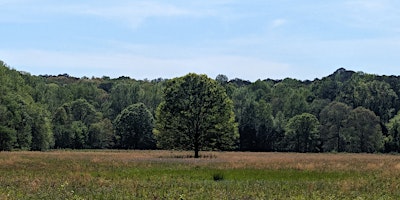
(196,153)
(338,141)
(196,148)
(196,141)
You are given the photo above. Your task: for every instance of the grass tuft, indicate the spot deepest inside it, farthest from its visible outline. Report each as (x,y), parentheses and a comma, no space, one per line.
(218,176)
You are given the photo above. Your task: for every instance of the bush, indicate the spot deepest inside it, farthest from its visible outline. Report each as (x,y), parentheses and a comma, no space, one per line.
(218,176)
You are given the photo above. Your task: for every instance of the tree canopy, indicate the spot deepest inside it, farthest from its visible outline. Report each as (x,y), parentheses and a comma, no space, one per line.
(346,111)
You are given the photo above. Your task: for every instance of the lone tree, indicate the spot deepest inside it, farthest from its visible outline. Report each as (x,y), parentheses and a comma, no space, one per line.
(196,114)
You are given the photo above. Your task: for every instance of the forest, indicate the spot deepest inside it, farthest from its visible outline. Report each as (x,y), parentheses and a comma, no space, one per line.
(346,111)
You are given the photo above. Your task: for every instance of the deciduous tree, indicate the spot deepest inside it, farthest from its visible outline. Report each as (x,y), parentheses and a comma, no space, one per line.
(196,114)
(134,127)
(333,120)
(303,133)
(123,94)
(364,131)
(392,142)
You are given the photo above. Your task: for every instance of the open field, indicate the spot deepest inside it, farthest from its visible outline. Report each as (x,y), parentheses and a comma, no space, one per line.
(218,175)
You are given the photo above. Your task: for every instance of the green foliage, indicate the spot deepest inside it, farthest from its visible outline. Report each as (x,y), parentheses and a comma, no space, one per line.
(134,128)
(42,112)
(303,133)
(222,79)
(257,127)
(382,100)
(254,114)
(295,103)
(363,131)
(333,120)
(71,123)
(241,97)
(350,130)
(150,94)
(79,135)
(218,176)
(363,90)
(101,134)
(42,134)
(81,110)
(248,127)
(24,122)
(392,142)
(327,88)
(124,94)
(196,114)
(87,89)
(7,138)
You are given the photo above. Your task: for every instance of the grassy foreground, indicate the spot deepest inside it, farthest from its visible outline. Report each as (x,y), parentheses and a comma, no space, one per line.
(172,175)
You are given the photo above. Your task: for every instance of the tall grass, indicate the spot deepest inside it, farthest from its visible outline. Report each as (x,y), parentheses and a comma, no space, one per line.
(175,175)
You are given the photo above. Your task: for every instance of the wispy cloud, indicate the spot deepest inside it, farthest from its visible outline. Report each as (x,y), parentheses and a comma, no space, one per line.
(368,5)
(251,40)
(136,13)
(379,15)
(132,12)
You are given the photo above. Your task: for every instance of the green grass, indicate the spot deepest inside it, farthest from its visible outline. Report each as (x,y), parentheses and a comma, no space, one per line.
(148,175)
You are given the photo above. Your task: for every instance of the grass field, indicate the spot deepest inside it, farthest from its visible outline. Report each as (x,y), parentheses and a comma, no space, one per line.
(217,175)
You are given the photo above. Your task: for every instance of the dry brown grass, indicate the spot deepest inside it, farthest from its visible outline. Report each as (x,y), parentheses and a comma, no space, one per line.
(234,160)
(311,161)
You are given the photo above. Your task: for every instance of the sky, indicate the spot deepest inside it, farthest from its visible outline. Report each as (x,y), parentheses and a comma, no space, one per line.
(253,39)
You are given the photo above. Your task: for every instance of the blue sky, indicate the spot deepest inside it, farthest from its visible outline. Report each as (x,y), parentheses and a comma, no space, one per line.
(251,40)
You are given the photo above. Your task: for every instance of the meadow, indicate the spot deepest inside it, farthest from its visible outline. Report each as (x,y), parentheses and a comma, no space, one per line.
(216,175)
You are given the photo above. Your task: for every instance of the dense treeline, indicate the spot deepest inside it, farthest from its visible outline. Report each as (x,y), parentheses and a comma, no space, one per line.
(344,112)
